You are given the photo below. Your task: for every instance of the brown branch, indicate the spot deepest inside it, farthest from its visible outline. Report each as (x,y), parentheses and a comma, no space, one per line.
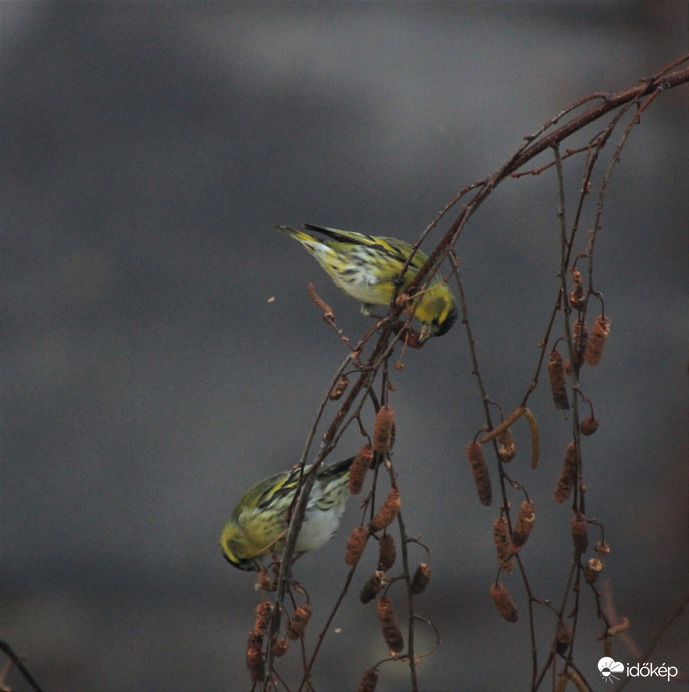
(535,145)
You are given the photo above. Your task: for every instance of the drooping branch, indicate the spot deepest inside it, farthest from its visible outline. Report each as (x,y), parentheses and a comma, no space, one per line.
(382,339)
(535,144)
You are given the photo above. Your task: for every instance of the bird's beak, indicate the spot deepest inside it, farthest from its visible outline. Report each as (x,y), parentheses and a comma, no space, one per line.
(424,333)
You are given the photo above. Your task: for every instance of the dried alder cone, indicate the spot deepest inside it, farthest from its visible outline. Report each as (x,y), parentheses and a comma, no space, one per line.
(592,570)
(479,468)
(388,512)
(390,625)
(503,601)
(602,548)
(589,425)
(412,338)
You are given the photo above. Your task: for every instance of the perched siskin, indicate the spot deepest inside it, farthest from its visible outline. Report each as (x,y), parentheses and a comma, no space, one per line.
(367,268)
(259,521)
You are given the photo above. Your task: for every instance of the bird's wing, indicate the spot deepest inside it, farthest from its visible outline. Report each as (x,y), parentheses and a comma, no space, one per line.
(394,248)
(342,236)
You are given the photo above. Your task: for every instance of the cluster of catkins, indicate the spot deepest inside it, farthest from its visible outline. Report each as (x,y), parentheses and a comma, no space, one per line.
(368,457)
(279,645)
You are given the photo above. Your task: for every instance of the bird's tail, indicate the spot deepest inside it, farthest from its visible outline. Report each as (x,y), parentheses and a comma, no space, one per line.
(296,234)
(336,469)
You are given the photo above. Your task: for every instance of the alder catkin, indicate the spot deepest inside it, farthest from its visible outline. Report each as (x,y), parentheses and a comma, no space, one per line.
(576,680)
(388,512)
(421,578)
(263,612)
(390,625)
(372,587)
(267,582)
(503,601)
(596,342)
(297,623)
(360,465)
(568,474)
(254,658)
(501,537)
(498,429)
(579,532)
(387,553)
(384,431)
(535,437)
(279,647)
(558,386)
(580,333)
(355,545)
(479,468)
(525,522)
(368,681)
(577,298)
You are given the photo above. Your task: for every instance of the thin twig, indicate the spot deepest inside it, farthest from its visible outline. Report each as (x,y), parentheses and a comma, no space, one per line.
(19,664)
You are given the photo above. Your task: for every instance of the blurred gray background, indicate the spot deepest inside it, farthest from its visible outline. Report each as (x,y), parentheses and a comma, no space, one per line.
(147,380)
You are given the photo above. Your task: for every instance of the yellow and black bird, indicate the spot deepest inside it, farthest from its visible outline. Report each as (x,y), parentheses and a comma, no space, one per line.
(259,522)
(368,269)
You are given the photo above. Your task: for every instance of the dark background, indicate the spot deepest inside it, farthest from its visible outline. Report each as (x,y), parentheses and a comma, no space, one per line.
(147,151)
